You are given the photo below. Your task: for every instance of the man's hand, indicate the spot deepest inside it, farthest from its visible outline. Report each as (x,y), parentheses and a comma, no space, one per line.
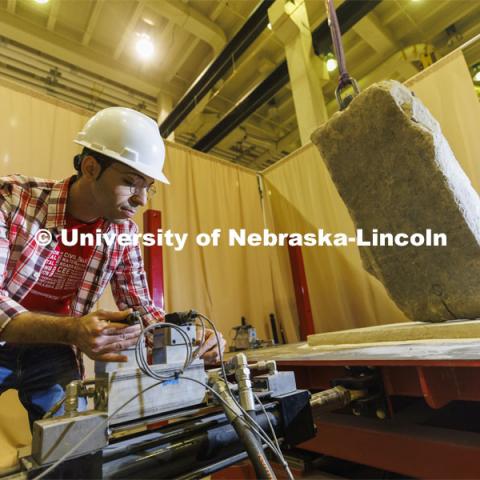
(100,335)
(210,351)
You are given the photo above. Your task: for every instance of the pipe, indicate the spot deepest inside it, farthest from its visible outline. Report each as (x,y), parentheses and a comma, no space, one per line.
(225,61)
(250,441)
(333,399)
(27,64)
(242,110)
(210,469)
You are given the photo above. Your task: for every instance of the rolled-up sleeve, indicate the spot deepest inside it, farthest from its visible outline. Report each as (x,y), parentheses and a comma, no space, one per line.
(8,307)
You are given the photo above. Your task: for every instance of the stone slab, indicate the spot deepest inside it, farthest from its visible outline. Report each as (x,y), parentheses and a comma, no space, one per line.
(396,173)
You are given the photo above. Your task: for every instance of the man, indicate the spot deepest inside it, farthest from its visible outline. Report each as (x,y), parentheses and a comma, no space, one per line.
(47,289)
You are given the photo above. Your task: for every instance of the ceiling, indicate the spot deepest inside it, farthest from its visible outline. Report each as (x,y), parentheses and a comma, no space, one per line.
(82,51)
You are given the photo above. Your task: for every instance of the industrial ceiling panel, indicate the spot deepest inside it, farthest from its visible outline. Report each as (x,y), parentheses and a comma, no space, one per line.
(72,15)
(92,44)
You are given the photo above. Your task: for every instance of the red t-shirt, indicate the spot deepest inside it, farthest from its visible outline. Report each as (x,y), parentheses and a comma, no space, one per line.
(62,273)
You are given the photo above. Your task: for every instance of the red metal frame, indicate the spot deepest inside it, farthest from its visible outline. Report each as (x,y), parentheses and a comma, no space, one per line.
(437,385)
(412,450)
(153,259)
(302,297)
(399,444)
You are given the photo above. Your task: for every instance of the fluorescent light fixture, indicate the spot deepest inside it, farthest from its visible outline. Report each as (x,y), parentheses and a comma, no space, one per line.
(41,1)
(149,21)
(144,46)
(331,63)
(476,77)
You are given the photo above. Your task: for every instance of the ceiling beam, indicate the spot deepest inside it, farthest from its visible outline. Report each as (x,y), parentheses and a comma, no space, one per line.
(178,63)
(53,15)
(192,21)
(127,32)
(290,140)
(186,53)
(222,64)
(258,96)
(167,31)
(92,22)
(11,4)
(217,11)
(370,29)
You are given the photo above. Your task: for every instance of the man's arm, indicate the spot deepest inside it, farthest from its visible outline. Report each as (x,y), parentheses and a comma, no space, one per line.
(99,335)
(8,307)
(28,327)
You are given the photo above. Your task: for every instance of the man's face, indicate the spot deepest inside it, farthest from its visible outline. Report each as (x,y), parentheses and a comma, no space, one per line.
(119,191)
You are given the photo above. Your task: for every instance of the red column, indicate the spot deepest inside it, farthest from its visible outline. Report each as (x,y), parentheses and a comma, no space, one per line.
(302,297)
(153,259)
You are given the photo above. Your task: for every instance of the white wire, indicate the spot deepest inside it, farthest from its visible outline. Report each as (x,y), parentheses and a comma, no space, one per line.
(285,464)
(140,351)
(268,420)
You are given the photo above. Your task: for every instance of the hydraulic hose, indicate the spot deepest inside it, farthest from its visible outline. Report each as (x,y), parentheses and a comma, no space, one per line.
(254,448)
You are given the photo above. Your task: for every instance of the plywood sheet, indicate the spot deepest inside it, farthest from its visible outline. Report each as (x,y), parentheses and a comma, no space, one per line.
(400,332)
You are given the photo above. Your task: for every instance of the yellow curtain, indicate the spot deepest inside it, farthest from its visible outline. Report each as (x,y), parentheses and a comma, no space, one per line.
(304,199)
(225,282)
(36,134)
(446,88)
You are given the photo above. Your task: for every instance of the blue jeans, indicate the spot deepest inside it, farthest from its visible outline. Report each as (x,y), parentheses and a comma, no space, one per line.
(40,374)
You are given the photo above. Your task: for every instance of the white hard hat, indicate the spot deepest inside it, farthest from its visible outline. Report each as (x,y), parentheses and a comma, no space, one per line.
(127,136)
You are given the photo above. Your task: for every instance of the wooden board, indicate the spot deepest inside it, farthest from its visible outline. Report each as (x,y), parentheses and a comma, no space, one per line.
(400,332)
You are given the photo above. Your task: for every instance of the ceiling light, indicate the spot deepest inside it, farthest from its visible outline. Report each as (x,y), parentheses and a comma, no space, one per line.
(269,26)
(144,46)
(331,62)
(41,1)
(476,73)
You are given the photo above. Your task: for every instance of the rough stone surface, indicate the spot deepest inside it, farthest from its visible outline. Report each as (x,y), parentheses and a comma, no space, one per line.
(396,173)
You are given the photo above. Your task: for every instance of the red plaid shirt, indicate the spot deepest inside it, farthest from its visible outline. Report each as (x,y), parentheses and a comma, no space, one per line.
(29,204)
